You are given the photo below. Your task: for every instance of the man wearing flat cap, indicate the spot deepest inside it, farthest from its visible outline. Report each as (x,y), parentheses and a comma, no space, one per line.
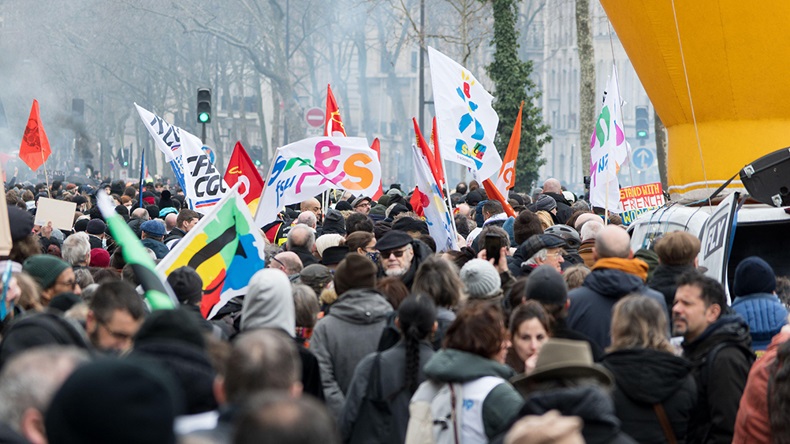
(153,232)
(400,255)
(361,205)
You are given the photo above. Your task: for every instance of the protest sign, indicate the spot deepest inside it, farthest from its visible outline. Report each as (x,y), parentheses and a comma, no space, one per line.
(59,212)
(640,199)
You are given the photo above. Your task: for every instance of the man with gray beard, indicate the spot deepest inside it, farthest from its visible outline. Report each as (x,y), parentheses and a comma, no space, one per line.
(400,255)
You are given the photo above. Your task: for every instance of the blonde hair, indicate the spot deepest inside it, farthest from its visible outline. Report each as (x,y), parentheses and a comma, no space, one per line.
(574,276)
(545,219)
(639,322)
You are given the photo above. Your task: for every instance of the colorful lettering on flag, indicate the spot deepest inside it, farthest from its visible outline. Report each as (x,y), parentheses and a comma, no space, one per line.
(156,289)
(201,182)
(466,119)
(242,169)
(35,149)
(333,124)
(507,174)
(437,216)
(607,144)
(225,248)
(311,166)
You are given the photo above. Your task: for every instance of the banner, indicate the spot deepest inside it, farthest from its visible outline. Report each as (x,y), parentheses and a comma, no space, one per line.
(308,167)
(507,174)
(158,293)
(242,169)
(225,248)
(437,216)
(201,182)
(376,146)
(333,124)
(640,199)
(34,150)
(607,145)
(465,118)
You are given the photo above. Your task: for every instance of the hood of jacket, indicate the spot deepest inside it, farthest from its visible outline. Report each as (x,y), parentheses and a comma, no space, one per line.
(728,328)
(450,365)
(559,198)
(361,306)
(612,283)
(269,302)
(592,404)
(647,376)
(666,275)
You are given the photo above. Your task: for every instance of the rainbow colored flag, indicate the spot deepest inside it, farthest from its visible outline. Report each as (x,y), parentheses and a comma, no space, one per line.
(225,248)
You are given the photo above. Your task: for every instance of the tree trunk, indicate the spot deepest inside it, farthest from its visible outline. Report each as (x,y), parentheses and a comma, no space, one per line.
(661,151)
(587,81)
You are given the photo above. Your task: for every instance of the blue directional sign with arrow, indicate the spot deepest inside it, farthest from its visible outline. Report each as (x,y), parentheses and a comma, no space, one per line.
(643,158)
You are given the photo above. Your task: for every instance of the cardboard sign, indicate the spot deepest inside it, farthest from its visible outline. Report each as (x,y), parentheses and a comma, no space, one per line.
(640,199)
(59,212)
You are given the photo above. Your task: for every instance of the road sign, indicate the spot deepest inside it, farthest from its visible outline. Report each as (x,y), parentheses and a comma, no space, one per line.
(314,117)
(643,158)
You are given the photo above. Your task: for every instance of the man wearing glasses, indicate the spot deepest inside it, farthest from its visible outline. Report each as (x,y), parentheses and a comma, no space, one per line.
(400,255)
(362,205)
(116,313)
(52,274)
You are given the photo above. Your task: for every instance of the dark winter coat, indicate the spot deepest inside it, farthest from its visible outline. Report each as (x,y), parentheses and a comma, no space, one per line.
(421,252)
(664,280)
(564,210)
(159,249)
(590,403)
(341,339)
(392,376)
(765,314)
(175,235)
(305,255)
(590,312)
(720,380)
(514,262)
(644,378)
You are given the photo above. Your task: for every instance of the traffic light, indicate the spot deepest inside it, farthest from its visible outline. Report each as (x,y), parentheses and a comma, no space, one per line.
(642,122)
(123,157)
(256,154)
(204,105)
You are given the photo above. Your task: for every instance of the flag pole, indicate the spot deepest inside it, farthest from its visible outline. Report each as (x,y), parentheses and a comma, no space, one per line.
(447,198)
(46,174)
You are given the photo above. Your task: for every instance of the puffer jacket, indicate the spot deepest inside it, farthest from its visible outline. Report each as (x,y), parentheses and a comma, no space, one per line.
(764,313)
(644,378)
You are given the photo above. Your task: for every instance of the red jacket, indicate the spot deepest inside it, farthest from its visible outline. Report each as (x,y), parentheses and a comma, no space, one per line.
(752,424)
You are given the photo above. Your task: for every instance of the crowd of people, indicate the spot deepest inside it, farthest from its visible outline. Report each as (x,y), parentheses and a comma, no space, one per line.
(359,331)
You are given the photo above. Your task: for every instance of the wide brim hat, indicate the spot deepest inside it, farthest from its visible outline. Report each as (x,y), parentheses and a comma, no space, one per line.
(563,359)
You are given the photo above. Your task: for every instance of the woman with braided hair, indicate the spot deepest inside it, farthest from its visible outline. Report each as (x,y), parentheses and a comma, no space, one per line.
(377,402)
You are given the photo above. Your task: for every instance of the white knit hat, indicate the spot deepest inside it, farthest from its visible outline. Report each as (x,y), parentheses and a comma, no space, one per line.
(481,279)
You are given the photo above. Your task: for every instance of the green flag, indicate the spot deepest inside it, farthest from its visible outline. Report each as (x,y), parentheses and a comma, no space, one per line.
(157,291)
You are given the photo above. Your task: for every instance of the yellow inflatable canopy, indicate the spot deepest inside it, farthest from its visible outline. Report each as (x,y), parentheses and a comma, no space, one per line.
(737,57)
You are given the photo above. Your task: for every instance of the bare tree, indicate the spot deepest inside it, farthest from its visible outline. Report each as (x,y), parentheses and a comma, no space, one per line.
(587,79)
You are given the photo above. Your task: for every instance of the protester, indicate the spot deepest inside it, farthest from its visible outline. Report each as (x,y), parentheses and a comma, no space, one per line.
(53,275)
(677,254)
(390,378)
(288,262)
(153,232)
(529,330)
(756,301)
(358,317)
(301,240)
(275,418)
(719,348)
(650,380)
(439,279)
(616,274)
(400,255)
(186,220)
(115,315)
(472,358)
(553,189)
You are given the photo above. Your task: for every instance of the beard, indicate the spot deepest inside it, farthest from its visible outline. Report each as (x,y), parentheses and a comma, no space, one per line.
(395,272)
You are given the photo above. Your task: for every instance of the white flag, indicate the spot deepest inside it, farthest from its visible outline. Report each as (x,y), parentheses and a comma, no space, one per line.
(437,216)
(311,166)
(607,146)
(465,118)
(202,183)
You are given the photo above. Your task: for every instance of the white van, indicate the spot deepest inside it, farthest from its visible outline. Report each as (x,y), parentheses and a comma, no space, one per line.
(729,232)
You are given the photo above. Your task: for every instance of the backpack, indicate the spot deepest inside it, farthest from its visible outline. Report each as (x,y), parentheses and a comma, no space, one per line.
(449,413)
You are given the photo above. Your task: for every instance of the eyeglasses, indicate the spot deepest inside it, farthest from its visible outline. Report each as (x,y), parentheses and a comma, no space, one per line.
(278,261)
(387,254)
(363,204)
(120,336)
(559,252)
(70,284)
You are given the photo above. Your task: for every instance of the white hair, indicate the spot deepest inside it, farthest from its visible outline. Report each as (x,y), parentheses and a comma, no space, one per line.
(590,230)
(541,256)
(76,248)
(307,218)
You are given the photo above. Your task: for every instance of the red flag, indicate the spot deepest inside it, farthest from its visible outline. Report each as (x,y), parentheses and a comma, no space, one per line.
(241,168)
(437,155)
(376,146)
(507,173)
(426,151)
(418,202)
(35,145)
(493,193)
(333,124)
